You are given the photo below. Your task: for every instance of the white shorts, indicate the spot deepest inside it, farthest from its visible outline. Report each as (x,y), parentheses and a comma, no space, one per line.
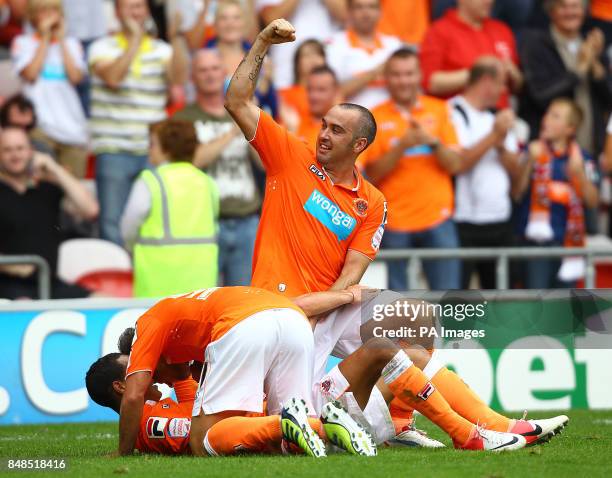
(375,417)
(338,335)
(267,356)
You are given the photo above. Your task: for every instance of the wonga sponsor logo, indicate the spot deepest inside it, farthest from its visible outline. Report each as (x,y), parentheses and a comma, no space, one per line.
(330,215)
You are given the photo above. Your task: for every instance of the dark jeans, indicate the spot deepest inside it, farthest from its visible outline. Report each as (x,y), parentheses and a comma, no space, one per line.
(542,273)
(236,244)
(84,87)
(483,235)
(115,174)
(442,274)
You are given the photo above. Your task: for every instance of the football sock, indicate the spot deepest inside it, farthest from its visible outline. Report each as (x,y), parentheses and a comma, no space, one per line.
(411,386)
(248,434)
(401,414)
(463,400)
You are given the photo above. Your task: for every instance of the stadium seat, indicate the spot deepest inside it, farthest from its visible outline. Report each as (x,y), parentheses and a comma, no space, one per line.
(115,283)
(80,257)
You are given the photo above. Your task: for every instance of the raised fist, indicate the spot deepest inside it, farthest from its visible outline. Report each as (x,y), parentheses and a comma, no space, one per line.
(278,31)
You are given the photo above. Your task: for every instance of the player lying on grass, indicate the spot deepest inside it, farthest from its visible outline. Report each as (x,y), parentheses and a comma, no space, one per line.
(254,343)
(166,423)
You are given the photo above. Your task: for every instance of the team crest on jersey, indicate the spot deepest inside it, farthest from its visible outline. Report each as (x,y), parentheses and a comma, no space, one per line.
(360,206)
(179,427)
(317,172)
(326,385)
(166,405)
(329,214)
(156,426)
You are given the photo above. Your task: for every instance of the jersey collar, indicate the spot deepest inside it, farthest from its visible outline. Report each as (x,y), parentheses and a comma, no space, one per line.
(355,42)
(348,188)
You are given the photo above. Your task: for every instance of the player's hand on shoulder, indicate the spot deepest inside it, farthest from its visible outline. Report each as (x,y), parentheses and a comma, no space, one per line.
(360,292)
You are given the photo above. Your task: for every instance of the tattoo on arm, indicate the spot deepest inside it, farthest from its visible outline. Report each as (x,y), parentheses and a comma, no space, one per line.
(257,68)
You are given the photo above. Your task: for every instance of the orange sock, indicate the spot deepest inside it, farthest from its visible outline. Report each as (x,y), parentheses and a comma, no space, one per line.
(401,414)
(244,434)
(249,434)
(466,403)
(411,386)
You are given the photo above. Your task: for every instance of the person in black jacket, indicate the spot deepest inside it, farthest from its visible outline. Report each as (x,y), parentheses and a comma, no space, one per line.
(563,61)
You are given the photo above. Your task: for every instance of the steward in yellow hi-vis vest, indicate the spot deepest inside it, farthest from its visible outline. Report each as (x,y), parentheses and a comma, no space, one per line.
(176,250)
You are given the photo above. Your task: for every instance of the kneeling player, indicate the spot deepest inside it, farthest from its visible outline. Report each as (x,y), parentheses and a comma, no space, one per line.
(254,344)
(165,424)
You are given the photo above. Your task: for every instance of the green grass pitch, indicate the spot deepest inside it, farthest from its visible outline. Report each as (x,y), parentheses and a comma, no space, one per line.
(584,449)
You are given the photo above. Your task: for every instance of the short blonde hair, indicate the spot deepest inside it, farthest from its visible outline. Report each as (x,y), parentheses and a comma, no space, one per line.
(575,115)
(35,5)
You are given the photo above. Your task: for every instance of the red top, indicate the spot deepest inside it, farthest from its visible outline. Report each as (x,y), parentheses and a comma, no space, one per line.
(451,44)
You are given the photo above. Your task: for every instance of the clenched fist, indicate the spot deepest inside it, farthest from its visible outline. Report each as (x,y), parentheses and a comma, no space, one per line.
(278,31)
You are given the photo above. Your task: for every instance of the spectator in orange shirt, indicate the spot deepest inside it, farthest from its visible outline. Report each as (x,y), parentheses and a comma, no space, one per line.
(294,101)
(412,162)
(323,93)
(395,14)
(454,43)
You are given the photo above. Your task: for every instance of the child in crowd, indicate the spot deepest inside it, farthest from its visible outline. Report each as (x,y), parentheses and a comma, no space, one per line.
(51,65)
(558,180)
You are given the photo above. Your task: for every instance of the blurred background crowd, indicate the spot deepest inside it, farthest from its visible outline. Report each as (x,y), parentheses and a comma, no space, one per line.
(116,149)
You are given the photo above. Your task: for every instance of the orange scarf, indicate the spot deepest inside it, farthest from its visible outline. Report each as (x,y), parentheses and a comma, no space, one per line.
(544,191)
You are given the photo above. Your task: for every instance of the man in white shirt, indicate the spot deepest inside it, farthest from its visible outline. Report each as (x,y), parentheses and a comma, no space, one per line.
(359,53)
(482,189)
(317,19)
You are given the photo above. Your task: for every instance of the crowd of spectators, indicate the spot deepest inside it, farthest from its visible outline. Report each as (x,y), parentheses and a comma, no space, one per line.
(492,122)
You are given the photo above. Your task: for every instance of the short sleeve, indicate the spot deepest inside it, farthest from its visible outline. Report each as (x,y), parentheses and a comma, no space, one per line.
(448,135)
(273,143)
(149,342)
(78,54)
(369,236)
(460,124)
(165,51)
(102,50)
(433,50)
(23,50)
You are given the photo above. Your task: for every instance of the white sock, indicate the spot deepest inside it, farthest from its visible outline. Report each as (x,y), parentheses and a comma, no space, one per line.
(396,366)
(432,368)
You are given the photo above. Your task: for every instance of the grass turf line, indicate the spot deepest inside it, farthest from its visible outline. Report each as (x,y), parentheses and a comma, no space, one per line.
(583,449)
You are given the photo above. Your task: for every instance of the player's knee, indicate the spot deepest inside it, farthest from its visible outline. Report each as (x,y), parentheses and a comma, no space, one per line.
(380,349)
(419,355)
